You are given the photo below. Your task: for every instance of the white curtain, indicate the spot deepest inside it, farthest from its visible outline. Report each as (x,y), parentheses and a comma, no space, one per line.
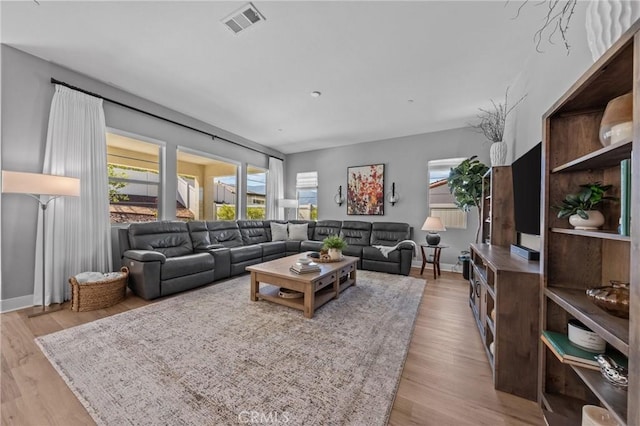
(276,189)
(78,228)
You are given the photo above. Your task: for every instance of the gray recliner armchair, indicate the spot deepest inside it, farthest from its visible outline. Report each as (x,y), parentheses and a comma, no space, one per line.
(161,259)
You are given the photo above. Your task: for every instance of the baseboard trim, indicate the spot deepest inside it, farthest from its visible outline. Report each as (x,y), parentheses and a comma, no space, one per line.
(449,267)
(13,304)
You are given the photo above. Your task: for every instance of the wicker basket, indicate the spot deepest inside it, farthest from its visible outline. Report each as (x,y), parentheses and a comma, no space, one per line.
(98,294)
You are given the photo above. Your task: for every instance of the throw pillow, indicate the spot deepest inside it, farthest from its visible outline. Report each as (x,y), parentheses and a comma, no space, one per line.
(298,232)
(278,231)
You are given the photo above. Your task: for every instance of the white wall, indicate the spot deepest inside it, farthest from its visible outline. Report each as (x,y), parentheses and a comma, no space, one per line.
(26,99)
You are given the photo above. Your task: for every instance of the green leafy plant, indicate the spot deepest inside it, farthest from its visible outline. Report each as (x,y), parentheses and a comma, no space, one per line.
(334,242)
(588,198)
(226,212)
(466,182)
(115,185)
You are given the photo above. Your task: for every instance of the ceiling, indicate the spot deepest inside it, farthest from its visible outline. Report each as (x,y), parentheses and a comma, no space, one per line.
(385,69)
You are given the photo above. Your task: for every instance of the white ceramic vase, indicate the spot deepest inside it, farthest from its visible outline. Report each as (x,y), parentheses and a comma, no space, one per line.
(335,254)
(606,21)
(498,154)
(595,220)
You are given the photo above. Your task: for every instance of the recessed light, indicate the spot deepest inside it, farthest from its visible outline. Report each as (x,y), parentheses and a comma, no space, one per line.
(410,101)
(316,94)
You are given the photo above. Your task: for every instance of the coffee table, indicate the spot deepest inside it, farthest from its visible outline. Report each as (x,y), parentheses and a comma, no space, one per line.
(318,287)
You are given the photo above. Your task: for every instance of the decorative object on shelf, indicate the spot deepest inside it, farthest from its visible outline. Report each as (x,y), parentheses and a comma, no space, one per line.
(580,207)
(492,123)
(433,225)
(613,372)
(492,348)
(613,298)
(617,122)
(466,183)
(334,244)
(554,23)
(286,293)
(289,204)
(338,198)
(365,190)
(584,338)
(592,415)
(393,197)
(606,21)
(36,185)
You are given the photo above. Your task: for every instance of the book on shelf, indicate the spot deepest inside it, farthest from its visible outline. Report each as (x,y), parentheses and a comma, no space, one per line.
(567,353)
(625,197)
(305,269)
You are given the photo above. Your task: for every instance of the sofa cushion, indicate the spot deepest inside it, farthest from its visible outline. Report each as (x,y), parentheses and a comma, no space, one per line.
(170,238)
(242,254)
(224,232)
(278,231)
(271,248)
(356,233)
(310,245)
(199,234)
(324,228)
(252,232)
(311,226)
(186,265)
(298,232)
(389,233)
(372,253)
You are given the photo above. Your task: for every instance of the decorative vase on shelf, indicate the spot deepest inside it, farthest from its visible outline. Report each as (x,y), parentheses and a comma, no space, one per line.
(498,154)
(595,220)
(617,122)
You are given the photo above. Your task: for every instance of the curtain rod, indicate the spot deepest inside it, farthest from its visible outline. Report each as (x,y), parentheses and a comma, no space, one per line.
(95,95)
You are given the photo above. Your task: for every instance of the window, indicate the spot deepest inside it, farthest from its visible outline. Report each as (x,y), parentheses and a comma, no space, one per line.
(256,192)
(206,187)
(307,195)
(133,169)
(441,202)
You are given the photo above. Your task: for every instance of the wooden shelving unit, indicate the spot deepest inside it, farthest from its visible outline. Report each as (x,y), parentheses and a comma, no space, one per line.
(498,220)
(575,260)
(509,284)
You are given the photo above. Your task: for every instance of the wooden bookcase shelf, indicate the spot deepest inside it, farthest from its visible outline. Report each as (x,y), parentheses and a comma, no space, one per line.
(576,260)
(498,220)
(509,285)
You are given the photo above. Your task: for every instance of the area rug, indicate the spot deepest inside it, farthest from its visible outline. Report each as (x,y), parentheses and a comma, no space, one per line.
(213,357)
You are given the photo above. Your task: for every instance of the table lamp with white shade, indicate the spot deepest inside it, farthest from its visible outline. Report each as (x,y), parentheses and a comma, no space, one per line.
(288,204)
(35,185)
(433,225)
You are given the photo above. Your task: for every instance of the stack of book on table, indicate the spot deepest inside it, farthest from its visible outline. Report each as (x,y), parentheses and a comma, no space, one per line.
(300,268)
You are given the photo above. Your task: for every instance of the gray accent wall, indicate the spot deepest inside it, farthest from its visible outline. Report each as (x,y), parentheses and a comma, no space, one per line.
(26,100)
(405,161)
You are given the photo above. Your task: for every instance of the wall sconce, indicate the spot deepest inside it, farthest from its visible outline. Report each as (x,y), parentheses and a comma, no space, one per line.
(393,197)
(338,198)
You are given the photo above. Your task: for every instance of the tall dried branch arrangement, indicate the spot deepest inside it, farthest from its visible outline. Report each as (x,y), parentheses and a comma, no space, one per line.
(556,21)
(492,121)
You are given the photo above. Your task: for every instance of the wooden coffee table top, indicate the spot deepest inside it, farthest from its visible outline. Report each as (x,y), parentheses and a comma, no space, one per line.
(281,267)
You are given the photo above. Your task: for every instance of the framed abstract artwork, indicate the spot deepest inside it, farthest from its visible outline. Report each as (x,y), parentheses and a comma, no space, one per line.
(365,190)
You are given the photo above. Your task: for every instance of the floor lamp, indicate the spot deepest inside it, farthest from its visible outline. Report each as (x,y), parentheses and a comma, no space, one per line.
(34,185)
(288,204)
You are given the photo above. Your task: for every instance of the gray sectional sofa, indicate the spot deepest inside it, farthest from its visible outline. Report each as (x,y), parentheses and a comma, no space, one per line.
(171,256)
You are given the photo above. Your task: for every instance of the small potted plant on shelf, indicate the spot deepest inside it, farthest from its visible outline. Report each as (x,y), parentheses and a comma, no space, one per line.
(580,207)
(335,244)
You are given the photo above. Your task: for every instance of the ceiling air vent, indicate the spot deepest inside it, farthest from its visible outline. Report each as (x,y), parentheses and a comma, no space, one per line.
(243,18)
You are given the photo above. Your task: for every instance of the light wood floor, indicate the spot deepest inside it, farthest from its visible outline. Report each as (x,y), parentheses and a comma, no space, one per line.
(446,378)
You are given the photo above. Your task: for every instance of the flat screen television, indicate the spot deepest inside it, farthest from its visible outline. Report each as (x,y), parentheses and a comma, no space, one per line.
(526,191)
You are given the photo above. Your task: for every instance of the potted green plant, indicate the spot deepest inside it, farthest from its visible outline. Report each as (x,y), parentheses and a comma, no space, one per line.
(580,207)
(334,244)
(466,183)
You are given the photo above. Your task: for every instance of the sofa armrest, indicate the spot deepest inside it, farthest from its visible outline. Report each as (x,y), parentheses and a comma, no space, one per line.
(145,256)
(222,262)
(405,245)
